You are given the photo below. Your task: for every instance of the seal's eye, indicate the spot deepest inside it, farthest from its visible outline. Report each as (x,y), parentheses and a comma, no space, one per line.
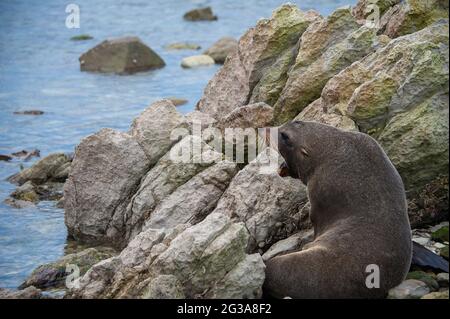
(284,136)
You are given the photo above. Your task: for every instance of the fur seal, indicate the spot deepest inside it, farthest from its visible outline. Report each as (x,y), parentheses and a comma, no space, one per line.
(359,214)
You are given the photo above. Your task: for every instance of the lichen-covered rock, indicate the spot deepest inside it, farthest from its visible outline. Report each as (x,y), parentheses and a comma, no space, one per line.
(164,178)
(54,274)
(194,200)
(442,279)
(47,169)
(267,203)
(200,14)
(413,15)
(409,289)
(122,55)
(364,8)
(326,48)
(258,50)
(221,49)
(154,127)
(106,171)
(256,115)
(207,259)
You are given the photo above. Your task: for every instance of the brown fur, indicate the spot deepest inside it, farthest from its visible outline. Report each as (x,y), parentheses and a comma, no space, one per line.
(358,209)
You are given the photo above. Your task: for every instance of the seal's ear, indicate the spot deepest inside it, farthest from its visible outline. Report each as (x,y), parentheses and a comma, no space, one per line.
(304,151)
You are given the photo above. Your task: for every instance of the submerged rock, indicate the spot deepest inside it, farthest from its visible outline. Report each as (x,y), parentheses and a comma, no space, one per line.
(125,55)
(46,169)
(53,275)
(200,14)
(27,293)
(29,112)
(221,49)
(182,46)
(196,61)
(81,37)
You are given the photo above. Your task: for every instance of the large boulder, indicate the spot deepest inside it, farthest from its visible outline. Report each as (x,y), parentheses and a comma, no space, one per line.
(207,260)
(122,55)
(258,49)
(221,49)
(106,170)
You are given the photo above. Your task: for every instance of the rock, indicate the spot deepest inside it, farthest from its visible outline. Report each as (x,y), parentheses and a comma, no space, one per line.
(164,287)
(81,37)
(207,259)
(182,46)
(267,203)
(221,49)
(43,171)
(412,15)
(29,112)
(200,14)
(409,289)
(177,101)
(442,279)
(440,234)
(106,171)
(204,120)
(153,129)
(125,55)
(444,252)
(54,274)
(316,112)
(17,203)
(424,277)
(290,244)
(5,158)
(256,115)
(26,155)
(437,295)
(194,200)
(163,179)
(364,8)
(26,192)
(326,48)
(196,61)
(258,50)
(28,293)
(431,204)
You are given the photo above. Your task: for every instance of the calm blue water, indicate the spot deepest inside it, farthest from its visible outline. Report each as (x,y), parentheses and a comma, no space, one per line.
(39,69)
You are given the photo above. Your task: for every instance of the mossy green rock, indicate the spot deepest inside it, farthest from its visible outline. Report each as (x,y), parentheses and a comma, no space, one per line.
(81,37)
(413,15)
(440,235)
(444,252)
(53,275)
(424,277)
(326,48)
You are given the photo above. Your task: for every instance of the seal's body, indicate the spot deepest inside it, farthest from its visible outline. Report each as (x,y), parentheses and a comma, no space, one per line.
(359,213)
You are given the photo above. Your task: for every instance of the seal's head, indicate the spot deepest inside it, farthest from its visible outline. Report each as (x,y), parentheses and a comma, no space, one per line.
(304,146)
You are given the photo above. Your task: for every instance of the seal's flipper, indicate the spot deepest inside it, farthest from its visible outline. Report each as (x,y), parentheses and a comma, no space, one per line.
(424,257)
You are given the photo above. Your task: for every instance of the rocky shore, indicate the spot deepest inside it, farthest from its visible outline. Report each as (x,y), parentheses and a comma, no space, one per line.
(203,228)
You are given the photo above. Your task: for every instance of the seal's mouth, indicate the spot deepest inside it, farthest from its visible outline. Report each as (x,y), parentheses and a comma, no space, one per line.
(283,170)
